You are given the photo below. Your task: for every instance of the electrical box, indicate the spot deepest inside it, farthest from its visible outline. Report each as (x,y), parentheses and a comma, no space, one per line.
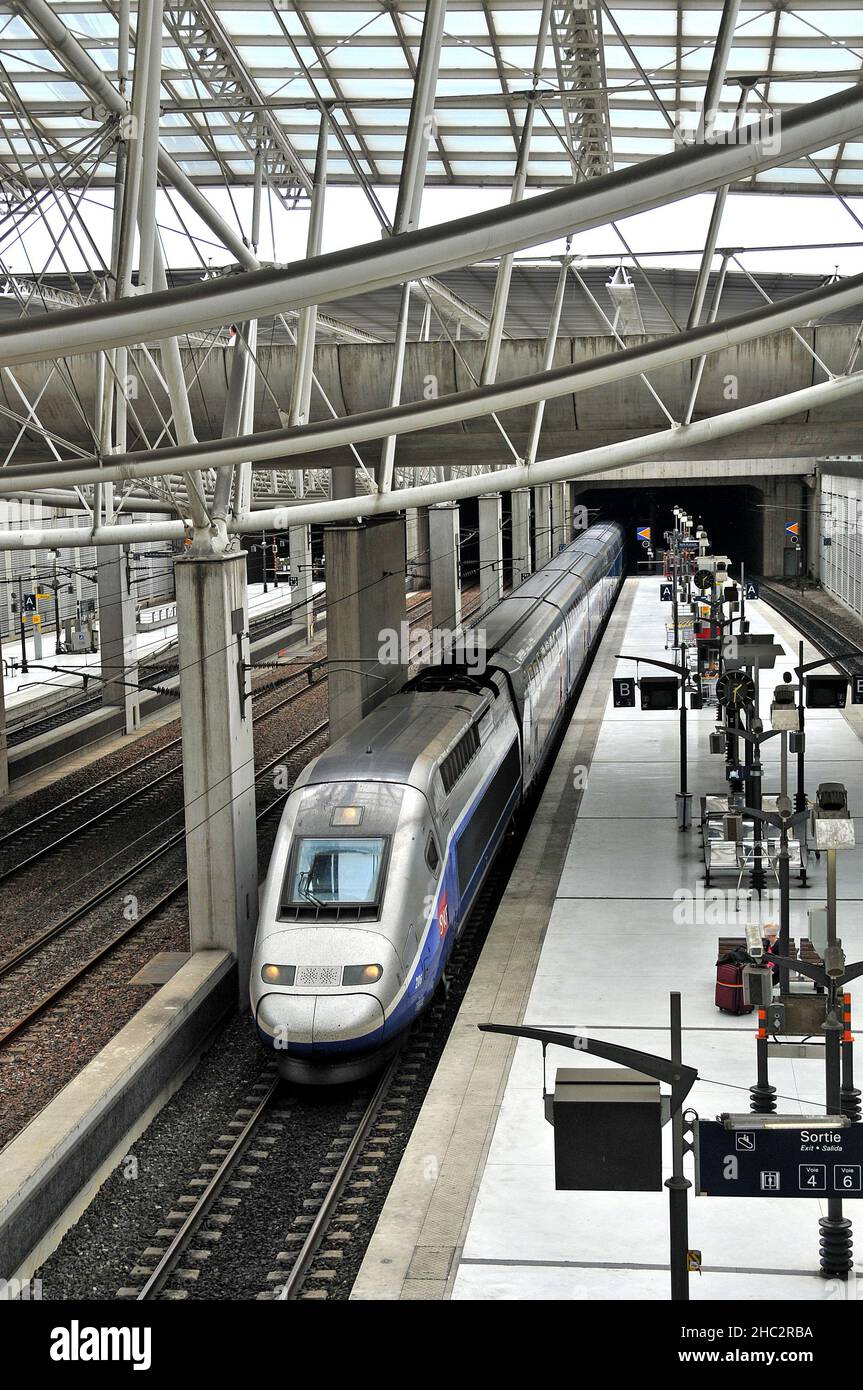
(659,692)
(818,928)
(804,1014)
(758,985)
(607,1130)
(826,692)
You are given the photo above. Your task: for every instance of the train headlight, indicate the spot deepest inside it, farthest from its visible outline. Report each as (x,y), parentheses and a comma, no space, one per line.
(361,974)
(278,974)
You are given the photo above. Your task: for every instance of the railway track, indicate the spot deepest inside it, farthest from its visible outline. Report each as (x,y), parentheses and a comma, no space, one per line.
(29,957)
(318,1234)
(835,645)
(49,831)
(41,830)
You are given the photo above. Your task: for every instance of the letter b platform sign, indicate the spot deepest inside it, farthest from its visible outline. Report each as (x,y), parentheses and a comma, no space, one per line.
(624,693)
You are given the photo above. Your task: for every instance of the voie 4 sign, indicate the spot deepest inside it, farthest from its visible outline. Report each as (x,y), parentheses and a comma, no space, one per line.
(813,1161)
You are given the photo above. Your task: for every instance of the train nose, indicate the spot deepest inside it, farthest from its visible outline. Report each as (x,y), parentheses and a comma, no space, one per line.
(321,1018)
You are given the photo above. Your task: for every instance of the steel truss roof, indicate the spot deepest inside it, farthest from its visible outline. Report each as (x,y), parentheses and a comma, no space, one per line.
(237,70)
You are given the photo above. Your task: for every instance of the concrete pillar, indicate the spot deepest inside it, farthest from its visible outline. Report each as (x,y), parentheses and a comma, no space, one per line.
(4,751)
(521,566)
(300,560)
(567,513)
(785,500)
(558,531)
(490,551)
(417,546)
(218,756)
(443,550)
(118,642)
(343,483)
(367,633)
(541,525)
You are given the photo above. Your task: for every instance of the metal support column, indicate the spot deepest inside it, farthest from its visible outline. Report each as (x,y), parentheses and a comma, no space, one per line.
(407,215)
(548,359)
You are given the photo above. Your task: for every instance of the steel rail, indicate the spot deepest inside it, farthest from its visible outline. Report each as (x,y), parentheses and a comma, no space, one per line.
(156,1281)
(430,251)
(325,1212)
(30,948)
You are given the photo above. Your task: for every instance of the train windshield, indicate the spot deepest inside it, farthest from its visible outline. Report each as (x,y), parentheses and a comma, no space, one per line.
(339,872)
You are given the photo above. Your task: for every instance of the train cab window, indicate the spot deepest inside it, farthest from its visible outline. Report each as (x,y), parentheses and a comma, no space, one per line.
(327,876)
(432,856)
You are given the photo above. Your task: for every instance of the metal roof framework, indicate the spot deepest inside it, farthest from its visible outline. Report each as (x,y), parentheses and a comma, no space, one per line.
(618,105)
(229,65)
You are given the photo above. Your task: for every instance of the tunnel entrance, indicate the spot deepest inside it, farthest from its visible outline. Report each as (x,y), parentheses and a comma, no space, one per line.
(732,515)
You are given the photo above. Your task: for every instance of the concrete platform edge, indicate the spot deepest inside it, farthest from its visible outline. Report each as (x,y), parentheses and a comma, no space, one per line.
(51,1170)
(414,1252)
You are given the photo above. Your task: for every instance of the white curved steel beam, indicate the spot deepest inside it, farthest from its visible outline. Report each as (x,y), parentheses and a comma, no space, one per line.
(272,447)
(432,250)
(630,451)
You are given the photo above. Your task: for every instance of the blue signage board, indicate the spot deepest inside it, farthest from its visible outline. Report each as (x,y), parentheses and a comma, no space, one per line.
(813,1161)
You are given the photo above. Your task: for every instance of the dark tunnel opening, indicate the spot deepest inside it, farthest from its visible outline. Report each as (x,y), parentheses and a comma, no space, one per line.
(732,515)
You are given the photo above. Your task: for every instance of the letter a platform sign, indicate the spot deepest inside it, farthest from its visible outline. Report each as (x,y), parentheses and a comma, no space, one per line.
(666,593)
(810,1161)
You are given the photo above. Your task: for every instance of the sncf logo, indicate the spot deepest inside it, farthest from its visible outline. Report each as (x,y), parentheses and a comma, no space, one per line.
(443,916)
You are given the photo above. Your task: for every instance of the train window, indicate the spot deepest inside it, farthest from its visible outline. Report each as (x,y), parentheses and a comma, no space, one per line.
(336,872)
(455,762)
(432,856)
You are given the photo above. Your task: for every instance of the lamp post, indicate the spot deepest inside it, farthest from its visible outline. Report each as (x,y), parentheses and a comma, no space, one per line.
(684,798)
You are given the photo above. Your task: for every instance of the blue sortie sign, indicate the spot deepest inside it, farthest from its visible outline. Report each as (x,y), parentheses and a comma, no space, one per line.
(805,1162)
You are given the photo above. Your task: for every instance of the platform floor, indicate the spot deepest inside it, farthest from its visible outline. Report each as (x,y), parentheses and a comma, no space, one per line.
(602,918)
(20,690)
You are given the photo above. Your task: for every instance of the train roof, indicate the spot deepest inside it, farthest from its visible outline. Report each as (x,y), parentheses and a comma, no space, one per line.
(401,741)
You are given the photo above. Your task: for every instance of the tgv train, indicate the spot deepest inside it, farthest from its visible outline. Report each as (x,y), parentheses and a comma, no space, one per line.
(388,835)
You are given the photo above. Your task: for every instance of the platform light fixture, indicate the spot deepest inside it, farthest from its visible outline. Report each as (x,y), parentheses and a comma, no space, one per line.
(624,296)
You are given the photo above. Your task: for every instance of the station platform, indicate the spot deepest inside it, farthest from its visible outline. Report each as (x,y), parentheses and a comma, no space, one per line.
(152,641)
(603,916)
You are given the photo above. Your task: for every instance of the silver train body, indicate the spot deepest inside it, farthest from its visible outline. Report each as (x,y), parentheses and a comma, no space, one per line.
(388,835)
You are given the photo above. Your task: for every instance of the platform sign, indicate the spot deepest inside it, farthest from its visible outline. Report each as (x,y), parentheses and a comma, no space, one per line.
(624,692)
(666,593)
(643,534)
(805,1162)
(750,590)
(857,690)
(29,605)
(792,531)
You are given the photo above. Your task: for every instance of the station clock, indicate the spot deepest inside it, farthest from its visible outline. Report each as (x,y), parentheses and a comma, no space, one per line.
(735,690)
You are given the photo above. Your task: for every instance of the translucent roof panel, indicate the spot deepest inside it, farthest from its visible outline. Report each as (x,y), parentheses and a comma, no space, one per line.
(614,81)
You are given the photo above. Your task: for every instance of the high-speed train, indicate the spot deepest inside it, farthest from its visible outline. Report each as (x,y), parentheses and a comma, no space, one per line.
(387,836)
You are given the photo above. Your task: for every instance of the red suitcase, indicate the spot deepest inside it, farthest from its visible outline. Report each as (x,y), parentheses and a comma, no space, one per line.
(729,989)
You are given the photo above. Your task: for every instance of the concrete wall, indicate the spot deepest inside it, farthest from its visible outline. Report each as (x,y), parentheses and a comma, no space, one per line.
(841,559)
(356,377)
